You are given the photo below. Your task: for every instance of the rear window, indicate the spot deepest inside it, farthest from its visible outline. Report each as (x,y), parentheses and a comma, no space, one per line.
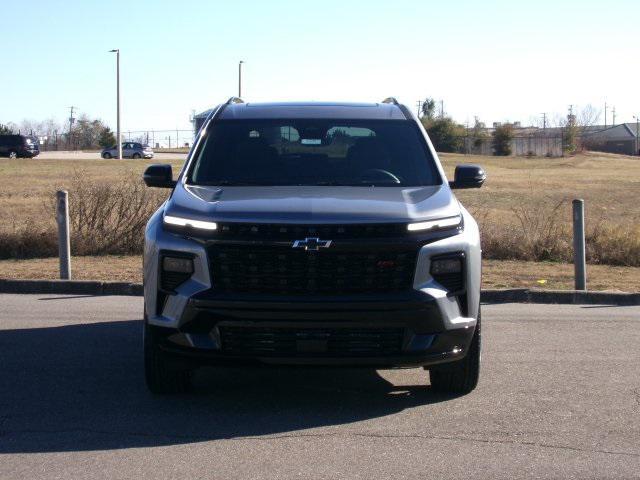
(314,152)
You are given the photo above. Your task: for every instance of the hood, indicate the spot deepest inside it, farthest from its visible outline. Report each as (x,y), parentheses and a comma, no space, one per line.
(312,204)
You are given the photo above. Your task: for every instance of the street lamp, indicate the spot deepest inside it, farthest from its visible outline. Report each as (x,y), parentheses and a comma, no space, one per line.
(117,52)
(240,78)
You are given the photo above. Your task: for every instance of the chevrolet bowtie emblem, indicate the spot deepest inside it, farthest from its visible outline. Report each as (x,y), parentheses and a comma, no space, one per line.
(312,244)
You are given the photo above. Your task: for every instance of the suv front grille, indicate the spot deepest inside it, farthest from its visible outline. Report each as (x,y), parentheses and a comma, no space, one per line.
(269,231)
(283,270)
(311,341)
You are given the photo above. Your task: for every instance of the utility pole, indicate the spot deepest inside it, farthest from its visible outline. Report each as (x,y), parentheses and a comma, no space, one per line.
(441,108)
(637,117)
(240,78)
(613,114)
(419,107)
(605,114)
(544,121)
(119,137)
(71,120)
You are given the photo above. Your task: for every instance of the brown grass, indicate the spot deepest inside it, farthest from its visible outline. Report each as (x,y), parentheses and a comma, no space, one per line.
(496,273)
(523,210)
(609,184)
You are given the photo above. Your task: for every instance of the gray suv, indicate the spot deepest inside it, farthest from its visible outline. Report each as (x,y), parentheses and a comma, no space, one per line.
(312,234)
(129,150)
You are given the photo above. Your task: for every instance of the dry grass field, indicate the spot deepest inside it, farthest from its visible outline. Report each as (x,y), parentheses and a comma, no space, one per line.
(29,185)
(518,192)
(495,273)
(609,184)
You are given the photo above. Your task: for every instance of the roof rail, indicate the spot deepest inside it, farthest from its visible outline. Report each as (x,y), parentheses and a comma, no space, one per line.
(391,100)
(234,100)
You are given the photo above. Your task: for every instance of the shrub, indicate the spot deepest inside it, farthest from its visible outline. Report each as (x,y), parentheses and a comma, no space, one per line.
(501,140)
(109,218)
(446,135)
(29,240)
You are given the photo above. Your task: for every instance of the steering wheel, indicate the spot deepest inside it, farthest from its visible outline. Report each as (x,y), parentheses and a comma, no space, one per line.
(379,173)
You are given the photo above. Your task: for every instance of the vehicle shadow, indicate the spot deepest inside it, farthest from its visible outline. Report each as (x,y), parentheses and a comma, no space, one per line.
(81,387)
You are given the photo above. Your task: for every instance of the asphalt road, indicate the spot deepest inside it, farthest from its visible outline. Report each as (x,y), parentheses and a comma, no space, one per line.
(559,397)
(69,155)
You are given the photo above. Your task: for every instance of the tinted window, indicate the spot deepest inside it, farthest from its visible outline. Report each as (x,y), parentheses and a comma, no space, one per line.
(11,140)
(314,152)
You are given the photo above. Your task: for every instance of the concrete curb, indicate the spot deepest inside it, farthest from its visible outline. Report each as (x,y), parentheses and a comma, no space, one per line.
(74,287)
(514,295)
(574,297)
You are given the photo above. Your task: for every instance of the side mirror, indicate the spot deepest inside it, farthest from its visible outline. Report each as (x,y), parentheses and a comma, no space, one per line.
(468,176)
(159,175)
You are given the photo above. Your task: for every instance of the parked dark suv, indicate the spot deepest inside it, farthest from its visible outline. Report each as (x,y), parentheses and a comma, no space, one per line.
(14,146)
(312,234)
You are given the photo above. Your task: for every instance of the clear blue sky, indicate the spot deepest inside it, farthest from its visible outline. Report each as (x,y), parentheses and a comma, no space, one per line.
(501,60)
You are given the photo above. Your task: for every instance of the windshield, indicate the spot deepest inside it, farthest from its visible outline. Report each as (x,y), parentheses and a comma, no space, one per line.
(314,152)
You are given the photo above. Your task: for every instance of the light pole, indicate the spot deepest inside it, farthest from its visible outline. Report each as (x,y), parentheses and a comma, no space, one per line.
(240,78)
(117,52)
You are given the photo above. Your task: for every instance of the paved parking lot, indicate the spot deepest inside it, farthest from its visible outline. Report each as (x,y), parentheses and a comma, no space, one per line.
(559,397)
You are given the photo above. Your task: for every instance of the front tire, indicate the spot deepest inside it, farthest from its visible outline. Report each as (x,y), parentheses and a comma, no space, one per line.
(106,155)
(162,375)
(460,377)
(136,156)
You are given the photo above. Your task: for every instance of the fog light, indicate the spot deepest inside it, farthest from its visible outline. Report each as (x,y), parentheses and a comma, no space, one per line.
(177,265)
(446,265)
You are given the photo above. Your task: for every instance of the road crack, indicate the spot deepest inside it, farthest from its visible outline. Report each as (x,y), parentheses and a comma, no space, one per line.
(268,438)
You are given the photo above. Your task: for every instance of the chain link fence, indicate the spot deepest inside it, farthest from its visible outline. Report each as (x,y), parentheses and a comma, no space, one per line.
(154,138)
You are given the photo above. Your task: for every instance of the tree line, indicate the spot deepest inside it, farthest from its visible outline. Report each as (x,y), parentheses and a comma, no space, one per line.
(85,133)
(449,136)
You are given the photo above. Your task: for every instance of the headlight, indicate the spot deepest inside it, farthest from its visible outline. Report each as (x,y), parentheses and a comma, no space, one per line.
(186,222)
(432,225)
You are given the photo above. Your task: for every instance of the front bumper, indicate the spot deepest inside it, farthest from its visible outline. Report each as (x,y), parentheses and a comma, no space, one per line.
(423,339)
(436,326)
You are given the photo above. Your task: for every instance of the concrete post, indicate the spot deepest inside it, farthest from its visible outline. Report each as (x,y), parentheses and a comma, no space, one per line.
(579,254)
(64,243)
